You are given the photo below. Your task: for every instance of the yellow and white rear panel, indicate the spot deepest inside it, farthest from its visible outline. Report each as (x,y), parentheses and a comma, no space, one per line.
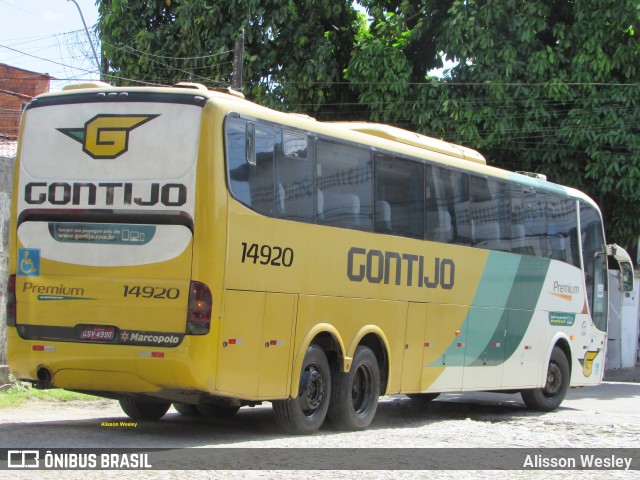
(103,244)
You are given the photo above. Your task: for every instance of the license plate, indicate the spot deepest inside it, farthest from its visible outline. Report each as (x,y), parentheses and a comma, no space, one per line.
(98,333)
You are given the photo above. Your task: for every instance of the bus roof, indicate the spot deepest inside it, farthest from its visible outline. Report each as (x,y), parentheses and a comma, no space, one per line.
(412,138)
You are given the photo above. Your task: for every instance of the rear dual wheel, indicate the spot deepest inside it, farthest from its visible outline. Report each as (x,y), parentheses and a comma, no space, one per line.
(354,396)
(305,414)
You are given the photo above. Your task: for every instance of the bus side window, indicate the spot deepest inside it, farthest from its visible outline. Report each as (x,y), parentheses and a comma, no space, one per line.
(517,239)
(295,185)
(345,183)
(439,220)
(399,197)
(239,158)
(458,205)
(534,209)
(251,178)
(491,225)
(562,229)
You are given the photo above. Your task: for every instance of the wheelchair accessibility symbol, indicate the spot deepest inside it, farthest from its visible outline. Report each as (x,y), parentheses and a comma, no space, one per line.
(29,262)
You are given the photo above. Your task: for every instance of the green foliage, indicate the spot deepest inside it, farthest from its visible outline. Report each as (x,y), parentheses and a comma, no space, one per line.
(295,51)
(541,85)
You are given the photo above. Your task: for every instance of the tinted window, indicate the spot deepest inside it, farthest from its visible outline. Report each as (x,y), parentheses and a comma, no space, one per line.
(290,175)
(562,229)
(490,213)
(399,206)
(447,205)
(529,207)
(294,188)
(250,151)
(345,186)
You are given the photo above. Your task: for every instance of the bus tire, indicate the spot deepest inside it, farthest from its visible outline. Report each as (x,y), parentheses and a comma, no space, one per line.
(550,396)
(186,409)
(354,397)
(305,414)
(139,410)
(219,412)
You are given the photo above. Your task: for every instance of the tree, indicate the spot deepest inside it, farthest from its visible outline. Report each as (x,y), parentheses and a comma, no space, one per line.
(539,85)
(295,52)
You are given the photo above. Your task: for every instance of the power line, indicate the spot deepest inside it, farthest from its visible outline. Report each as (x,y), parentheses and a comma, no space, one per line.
(141,53)
(45,59)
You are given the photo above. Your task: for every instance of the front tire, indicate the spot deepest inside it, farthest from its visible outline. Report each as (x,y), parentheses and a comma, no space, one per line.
(139,410)
(552,394)
(354,398)
(305,414)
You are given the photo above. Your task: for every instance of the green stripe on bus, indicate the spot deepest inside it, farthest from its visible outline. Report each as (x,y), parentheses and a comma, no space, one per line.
(500,305)
(484,319)
(515,317)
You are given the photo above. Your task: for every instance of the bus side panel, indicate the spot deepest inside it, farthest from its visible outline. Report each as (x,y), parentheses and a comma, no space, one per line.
(254,359)
(484,357)
(444,348)
(277,338)
(241,344)
(414,347)
(525,348)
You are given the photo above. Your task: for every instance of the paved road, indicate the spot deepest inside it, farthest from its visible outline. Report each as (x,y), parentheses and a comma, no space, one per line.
(607,416)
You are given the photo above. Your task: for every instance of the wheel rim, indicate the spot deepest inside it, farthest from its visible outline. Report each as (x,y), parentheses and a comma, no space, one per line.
(312,389)
(554,381)
(361,390)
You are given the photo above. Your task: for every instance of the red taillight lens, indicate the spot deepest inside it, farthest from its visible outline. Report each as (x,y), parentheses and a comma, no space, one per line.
(199,313)
(11,301)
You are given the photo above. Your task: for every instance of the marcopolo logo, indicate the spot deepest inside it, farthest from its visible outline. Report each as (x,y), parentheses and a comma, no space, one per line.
(150,338)
(106,136)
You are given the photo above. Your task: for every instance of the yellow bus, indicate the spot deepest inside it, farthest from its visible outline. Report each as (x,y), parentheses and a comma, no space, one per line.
(182,246)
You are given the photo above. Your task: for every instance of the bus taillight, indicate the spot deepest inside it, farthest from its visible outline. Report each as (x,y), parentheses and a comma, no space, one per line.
(11,301)
(199,314)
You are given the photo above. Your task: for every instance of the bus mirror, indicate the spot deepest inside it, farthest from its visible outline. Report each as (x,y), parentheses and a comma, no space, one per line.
(623,259)
(626,276)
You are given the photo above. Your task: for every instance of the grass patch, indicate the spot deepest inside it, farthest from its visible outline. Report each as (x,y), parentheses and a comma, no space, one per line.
(21,392)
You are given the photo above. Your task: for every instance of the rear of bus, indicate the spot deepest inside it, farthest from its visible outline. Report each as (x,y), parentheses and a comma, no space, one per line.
(100,292)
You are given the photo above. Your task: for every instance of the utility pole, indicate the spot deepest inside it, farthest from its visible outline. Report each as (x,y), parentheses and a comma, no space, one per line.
(238,52)
(95,56)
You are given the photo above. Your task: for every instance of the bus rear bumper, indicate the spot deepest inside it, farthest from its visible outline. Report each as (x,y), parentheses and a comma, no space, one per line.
(122,369)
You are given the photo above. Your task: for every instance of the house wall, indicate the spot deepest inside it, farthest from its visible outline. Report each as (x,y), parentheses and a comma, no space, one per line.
(17,88)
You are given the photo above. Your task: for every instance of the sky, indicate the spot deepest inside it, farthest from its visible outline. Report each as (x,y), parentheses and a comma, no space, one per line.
(47,36)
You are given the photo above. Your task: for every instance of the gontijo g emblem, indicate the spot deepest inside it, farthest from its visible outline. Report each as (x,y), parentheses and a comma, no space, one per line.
(106,136)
